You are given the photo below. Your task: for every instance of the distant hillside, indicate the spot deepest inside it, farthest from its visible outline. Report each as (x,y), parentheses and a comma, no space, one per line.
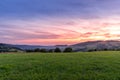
(97,45)
(85,46)
(8,48)
(32,47)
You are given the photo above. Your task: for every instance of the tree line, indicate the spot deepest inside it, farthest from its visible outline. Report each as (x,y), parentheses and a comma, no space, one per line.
(105,49)
(68,49)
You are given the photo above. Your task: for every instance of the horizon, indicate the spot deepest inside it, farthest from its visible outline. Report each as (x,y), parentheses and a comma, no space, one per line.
(58,22)
(61,44)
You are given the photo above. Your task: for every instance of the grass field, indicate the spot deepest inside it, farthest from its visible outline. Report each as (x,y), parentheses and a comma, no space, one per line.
(61,66)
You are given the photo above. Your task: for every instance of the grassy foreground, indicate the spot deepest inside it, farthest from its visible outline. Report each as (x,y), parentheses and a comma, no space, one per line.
(69,66)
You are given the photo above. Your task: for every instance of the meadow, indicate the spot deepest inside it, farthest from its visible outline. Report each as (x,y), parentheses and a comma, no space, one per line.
(103,65)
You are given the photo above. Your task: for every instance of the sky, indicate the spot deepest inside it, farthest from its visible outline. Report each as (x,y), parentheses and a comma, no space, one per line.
(58,22)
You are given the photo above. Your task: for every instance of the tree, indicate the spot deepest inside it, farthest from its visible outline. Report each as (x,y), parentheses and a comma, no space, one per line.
(37,50)
(29,50)
(68,49)
(57,50)
(43,50)
(50,50)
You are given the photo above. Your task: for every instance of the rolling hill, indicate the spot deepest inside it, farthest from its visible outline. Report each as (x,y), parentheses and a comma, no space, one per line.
(9,48)
(97,45)
(84,46)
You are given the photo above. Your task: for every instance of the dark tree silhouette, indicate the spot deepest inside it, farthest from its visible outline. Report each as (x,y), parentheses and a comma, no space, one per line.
(37,50)
(57,50)
(29,50)
(50,50)
(68,49)
(43,50)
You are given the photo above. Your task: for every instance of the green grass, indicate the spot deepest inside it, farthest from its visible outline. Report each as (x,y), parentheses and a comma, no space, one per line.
(61,66)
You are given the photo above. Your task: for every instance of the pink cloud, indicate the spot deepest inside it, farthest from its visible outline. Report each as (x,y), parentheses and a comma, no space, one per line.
(60,31)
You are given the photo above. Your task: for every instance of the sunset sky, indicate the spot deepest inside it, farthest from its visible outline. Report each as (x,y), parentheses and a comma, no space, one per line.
(56,22)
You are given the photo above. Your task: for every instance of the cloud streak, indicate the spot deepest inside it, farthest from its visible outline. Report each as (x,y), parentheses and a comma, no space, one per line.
(59,31)
(50,22)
